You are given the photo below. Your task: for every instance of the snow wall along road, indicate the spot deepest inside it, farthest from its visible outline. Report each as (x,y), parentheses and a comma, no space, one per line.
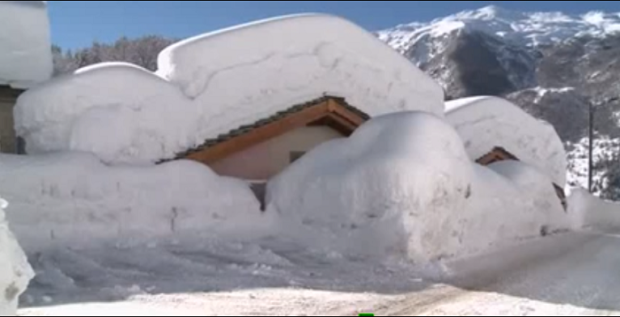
(590,212)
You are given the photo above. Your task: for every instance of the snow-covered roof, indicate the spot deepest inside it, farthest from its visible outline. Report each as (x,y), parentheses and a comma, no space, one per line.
(25,46)
(214,83)
(335,112)
(488,122)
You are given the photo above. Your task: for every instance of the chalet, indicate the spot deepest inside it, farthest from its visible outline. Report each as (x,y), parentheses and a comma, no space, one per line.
(500,154)
(261,150)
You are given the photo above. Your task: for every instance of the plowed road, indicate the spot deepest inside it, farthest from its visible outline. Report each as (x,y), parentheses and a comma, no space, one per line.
(568,274)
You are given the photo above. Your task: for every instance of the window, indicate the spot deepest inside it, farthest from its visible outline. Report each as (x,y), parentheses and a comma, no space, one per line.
(295,155)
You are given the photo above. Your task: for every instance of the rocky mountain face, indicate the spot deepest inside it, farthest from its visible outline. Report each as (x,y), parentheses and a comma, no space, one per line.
(551,64)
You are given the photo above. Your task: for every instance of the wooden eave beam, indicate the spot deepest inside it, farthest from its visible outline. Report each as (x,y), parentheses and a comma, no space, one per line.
(260,134)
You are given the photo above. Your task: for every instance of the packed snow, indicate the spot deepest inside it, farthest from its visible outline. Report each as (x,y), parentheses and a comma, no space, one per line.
(72,199)
(488,122)
(15,271)
(590,212)
(555,275)
(403,185)
(25,45)
(218,82)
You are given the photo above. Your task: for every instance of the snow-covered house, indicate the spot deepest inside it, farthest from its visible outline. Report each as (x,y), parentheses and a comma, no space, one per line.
(25,59)
(485,123)
(493,130)
(498,154)
(246,108)
(264,148)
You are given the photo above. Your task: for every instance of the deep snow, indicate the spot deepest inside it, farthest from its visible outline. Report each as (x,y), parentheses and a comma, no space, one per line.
(218,82)
(72,199)
(593,213)
(486,122)
(25,45)
(15,272)
(403,184)
(556,275)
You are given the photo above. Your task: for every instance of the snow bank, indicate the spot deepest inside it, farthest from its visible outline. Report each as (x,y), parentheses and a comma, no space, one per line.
(119,111)
(15,272)
(74,199)
(509,201)
(487,122)
(392,185)
(403,184)
(588,211)
(218,82)
(25,47)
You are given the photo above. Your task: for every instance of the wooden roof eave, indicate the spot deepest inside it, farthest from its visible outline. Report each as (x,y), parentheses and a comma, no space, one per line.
(346,122)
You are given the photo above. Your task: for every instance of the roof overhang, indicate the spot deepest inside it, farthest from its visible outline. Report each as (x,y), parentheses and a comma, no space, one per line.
(330,111)
(9,93)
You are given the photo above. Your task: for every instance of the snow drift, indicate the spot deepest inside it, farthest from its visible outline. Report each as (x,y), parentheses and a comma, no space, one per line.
(25,46)
(590,212)
(73,199)
(119,111)
(15,272)
(403,184)
(218,82)
(486,122)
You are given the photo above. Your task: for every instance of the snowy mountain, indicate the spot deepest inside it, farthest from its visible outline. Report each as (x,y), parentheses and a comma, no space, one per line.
(551,64)
(525,30)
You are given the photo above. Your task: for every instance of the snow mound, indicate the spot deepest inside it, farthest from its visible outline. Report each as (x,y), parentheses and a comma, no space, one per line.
(297,58)
(119,111)
(403,184)
(25,45)
(509,201)
(229,79)
(15,272)
(488,122)
(73,199)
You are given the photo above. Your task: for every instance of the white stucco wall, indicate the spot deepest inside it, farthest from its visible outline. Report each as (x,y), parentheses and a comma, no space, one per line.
(264,160)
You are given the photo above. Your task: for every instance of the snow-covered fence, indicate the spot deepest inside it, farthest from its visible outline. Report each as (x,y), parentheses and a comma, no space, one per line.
(588,211)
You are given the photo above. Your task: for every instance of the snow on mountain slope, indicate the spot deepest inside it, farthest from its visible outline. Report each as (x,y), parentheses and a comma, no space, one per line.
(520,28)
(25,45)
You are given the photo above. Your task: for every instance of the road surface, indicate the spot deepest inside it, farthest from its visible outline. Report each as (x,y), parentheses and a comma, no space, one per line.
(572,274)
(567,274)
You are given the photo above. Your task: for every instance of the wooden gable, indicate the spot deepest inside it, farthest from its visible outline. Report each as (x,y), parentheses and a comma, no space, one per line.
(495,155)
(329,111)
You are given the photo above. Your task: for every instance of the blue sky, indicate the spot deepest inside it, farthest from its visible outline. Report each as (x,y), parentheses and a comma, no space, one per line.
(78,23)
